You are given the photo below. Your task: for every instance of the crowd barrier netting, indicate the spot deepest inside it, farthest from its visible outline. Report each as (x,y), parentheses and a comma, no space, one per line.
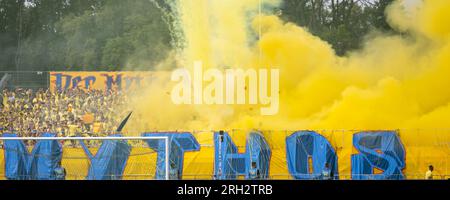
(82,160)
(247,154)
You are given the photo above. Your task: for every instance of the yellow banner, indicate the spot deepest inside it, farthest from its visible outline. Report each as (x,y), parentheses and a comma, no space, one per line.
(123,80)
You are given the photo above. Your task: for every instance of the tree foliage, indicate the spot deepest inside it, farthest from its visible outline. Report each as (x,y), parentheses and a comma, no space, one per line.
(112,34)
(82,35)
(342,23)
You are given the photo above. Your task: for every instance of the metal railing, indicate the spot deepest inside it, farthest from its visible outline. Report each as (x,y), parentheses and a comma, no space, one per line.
(211,177)
(164,138)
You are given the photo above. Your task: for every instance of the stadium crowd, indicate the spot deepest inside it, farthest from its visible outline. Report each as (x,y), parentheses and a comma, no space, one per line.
(73,112)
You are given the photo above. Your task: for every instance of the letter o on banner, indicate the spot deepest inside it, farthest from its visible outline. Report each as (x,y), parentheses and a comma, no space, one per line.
(304,146)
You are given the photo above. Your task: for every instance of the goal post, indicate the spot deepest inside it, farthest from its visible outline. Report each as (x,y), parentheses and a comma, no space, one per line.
(118,138)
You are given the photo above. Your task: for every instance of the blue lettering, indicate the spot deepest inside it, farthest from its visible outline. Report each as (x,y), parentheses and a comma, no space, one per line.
(381,150)
(307,154)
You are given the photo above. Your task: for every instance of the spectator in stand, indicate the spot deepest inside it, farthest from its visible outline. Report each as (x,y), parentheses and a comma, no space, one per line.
(68,113)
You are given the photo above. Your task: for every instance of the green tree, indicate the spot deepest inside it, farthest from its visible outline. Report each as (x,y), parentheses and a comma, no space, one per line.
(118,33)
(9,32)
(342,23)
(112,34)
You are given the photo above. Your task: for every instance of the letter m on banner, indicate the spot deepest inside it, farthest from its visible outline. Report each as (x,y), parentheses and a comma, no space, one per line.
(378,150)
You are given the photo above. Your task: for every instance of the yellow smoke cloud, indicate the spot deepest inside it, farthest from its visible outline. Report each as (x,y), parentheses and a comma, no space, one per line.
(393,82)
